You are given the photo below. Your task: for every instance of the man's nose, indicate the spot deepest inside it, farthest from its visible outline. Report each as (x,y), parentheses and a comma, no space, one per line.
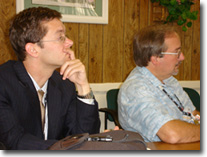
(181,57)
(68,42)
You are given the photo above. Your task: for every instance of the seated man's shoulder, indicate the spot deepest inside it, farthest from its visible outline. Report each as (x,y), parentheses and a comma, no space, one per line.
(136,84)
(7,64)
(7,68)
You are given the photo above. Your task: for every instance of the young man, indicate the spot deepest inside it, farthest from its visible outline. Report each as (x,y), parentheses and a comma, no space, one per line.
(38,38)
(151,101)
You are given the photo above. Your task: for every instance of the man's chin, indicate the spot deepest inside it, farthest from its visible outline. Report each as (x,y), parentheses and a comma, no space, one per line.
(175,72)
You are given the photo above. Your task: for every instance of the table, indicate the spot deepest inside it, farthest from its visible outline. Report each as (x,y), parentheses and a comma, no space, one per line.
(167,146)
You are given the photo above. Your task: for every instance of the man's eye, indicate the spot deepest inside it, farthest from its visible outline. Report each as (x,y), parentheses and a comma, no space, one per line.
(62,38)
(179,51)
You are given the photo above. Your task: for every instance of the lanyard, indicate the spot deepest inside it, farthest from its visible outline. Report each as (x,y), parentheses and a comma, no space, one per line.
(180,107)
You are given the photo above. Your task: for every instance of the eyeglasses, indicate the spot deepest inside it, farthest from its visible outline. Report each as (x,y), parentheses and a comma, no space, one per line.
(172,53)
(61,39)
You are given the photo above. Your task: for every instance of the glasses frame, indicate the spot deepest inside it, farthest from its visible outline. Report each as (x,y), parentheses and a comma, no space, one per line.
(172,53)
(62,39)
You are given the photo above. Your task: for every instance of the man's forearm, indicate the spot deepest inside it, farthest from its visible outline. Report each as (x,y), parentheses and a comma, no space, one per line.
(188,132)
(177,131)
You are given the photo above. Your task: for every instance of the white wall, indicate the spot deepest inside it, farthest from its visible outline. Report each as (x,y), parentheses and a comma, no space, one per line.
(100,89)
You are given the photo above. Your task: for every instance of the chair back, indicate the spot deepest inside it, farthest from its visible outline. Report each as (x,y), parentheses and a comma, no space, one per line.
(194,96)
(111,97)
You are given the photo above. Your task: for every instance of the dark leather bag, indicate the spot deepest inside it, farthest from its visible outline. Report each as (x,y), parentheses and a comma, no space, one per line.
(118,140)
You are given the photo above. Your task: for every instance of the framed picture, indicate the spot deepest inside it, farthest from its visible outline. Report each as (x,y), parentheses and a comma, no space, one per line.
(77,11)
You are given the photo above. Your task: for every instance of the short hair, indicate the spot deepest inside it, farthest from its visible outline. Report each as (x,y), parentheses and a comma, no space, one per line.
(27,27)
(149,41)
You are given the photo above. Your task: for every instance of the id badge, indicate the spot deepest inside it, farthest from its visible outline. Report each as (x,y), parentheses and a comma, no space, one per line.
(192,119)
(196,119)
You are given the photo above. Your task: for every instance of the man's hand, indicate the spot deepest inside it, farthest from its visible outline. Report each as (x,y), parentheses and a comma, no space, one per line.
(115,128)
(74,70)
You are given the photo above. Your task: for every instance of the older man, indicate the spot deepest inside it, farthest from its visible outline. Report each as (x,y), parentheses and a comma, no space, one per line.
(151,101)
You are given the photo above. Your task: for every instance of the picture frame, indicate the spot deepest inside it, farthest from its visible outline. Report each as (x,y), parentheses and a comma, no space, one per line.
(79,11)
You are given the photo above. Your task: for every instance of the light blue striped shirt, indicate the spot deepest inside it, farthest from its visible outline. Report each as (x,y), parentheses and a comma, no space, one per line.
(143,107)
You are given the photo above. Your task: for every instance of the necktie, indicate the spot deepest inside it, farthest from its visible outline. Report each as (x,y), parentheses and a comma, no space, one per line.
(42,107)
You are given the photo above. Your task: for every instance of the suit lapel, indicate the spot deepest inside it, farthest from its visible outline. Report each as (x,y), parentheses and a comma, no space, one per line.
(54,102)
(31,94)
(23,76)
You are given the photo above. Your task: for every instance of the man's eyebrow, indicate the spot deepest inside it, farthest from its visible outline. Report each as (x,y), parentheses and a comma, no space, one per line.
(60,31)
(179,48)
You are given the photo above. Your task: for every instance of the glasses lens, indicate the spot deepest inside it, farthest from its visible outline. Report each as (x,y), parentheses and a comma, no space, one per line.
(62,39)
(179,53)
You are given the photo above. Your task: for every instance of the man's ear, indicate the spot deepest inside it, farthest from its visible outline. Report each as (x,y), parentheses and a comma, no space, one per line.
(30,49)
(155,60)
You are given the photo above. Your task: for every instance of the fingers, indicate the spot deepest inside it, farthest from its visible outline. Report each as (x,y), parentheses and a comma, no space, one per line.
(115,128)
(71,67)
(70,52)
(72,55)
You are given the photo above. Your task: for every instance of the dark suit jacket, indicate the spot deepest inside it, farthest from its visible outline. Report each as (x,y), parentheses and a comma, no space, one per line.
(20,119)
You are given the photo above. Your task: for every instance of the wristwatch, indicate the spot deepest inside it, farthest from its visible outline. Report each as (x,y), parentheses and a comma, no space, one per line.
(87,96)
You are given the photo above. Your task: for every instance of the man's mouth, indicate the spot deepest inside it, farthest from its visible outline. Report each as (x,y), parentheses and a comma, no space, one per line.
(178,64)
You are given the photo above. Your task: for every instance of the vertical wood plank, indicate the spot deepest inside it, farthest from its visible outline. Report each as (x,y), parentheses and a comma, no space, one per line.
(96,53)
(113,43)
(131,26)
(7,11)
(196,45)
(144,13)
(188,54)
(83,45)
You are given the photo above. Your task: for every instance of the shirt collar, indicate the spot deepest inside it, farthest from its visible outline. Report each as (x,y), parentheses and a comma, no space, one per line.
(154,80)
(44,88)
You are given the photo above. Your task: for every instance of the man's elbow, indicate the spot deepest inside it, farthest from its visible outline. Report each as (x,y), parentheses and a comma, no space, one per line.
(171,137)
